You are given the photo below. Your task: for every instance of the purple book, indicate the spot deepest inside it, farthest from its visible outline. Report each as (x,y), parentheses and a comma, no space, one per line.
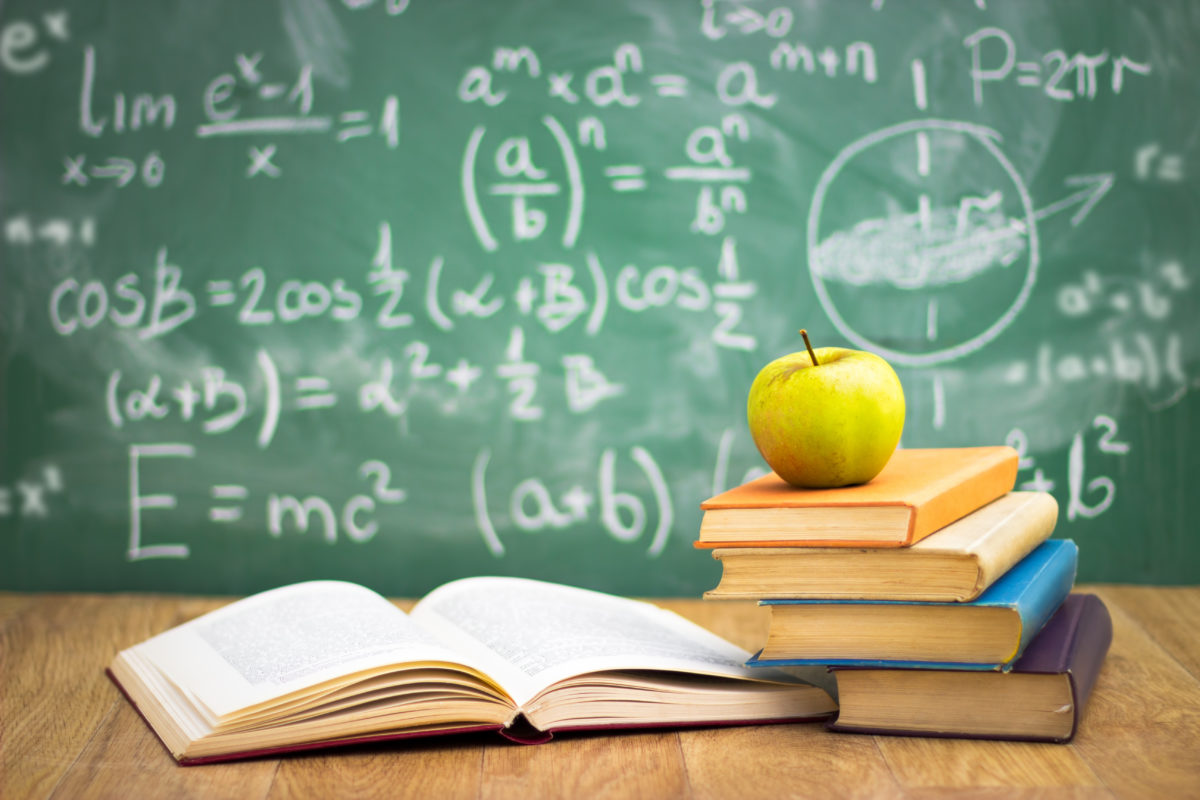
(1041,699)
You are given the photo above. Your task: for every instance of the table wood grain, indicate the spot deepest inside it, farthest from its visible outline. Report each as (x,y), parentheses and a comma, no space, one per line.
(66,732)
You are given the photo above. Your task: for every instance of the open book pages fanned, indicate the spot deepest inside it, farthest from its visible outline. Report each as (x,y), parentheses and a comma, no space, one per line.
(326,662)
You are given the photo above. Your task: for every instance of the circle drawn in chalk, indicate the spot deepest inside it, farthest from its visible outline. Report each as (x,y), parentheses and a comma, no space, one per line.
(913,265)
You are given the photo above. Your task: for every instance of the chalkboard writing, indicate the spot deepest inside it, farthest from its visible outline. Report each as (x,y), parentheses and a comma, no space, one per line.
(399,291)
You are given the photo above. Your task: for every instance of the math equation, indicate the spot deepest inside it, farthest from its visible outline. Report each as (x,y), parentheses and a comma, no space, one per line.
(403,290)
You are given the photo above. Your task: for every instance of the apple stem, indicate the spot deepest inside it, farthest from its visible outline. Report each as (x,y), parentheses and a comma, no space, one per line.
(808,344)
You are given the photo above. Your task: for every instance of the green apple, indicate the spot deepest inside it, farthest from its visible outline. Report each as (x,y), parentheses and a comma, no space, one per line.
(825,418)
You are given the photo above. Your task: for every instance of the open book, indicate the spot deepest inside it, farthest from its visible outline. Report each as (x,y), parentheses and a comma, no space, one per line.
(326,662)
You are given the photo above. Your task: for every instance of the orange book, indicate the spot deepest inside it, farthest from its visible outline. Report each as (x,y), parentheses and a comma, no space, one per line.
(919,491)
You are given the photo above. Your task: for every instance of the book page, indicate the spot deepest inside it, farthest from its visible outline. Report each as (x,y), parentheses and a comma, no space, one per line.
(285,639)
(533,634)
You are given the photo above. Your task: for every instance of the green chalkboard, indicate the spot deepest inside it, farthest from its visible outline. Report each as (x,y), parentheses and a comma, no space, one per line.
(400,291)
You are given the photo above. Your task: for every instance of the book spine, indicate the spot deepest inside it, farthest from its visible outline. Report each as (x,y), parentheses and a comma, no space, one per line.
(1092,640)
(1014,537)
(947,502)
(1048,587)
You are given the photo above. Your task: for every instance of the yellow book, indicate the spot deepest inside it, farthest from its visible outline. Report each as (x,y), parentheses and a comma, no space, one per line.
(956,564)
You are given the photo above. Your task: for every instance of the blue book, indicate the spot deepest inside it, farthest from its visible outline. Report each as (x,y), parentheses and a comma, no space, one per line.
(989,632)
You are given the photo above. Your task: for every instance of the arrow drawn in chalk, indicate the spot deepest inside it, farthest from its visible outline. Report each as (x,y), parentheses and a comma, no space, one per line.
(1095,187)
(122,169)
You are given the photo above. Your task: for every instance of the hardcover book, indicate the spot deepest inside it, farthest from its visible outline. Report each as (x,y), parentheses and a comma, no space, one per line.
(989,632)
(955,564)
(325,663)
(1041,699)
(918,492)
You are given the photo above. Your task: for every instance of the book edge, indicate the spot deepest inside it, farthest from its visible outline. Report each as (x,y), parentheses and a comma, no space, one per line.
(1039,519)
(1009,599)
(969,666)
(534,737)
(1080,659)
(964,491)
(1091,642)
(269,751)
(725,544)
(834,727)
(1041,598)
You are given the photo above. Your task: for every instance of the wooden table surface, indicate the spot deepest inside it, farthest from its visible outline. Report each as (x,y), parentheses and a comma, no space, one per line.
(66,732)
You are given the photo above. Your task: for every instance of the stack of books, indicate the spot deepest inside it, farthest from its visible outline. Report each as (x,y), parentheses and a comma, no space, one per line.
(934,593)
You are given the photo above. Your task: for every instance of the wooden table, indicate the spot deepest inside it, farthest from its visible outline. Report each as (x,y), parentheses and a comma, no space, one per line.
(66,732)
